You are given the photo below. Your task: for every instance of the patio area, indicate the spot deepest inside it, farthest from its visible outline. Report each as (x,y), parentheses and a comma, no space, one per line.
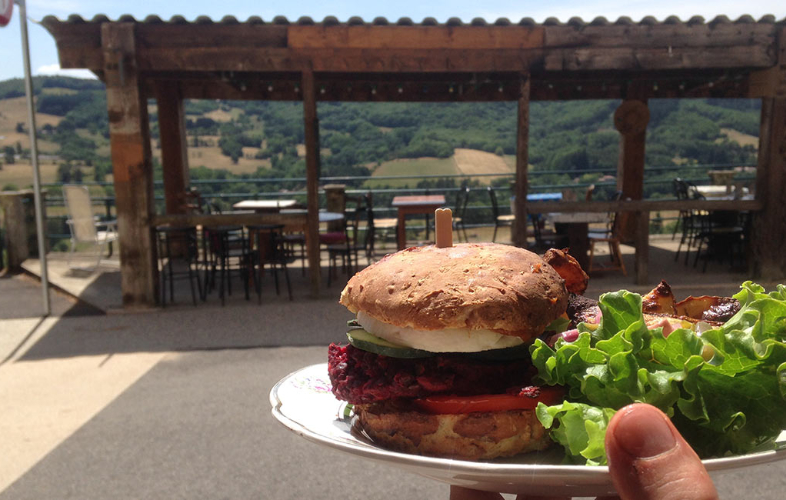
(101,288)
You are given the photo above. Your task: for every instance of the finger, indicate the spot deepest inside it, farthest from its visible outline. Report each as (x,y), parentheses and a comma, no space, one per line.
(459,493)
(649,459)
(528,497)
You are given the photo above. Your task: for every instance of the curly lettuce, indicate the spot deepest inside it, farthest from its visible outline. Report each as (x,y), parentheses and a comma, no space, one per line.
(724,390)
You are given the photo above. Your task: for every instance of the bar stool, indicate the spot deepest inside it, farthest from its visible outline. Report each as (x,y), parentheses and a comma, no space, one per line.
(177,244)
(270,248)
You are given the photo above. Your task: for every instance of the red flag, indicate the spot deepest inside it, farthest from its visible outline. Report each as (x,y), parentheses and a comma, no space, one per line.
(6,8)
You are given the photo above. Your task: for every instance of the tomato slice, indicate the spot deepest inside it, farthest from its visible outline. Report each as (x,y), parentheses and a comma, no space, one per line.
(527,399)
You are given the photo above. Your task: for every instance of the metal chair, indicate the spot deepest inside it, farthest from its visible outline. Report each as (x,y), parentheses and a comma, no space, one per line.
(84,226)
(459,216)
(270,249)
(499,220)
(351,246)
(610,236)
(177,244)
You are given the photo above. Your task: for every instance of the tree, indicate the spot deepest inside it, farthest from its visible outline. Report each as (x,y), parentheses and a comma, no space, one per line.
(20,127)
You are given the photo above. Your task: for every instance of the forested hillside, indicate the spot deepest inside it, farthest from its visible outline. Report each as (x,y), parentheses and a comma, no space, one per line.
(261,139)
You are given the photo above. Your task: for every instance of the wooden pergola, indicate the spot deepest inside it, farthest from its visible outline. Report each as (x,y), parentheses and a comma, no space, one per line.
(429,61)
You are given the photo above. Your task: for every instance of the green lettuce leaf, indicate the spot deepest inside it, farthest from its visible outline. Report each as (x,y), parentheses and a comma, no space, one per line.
(725,390)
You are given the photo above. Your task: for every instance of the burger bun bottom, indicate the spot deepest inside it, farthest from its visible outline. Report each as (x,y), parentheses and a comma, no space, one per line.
(468,436)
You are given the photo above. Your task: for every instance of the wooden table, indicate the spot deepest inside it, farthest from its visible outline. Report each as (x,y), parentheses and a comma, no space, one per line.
(410,205)
(262,206)
(575,226)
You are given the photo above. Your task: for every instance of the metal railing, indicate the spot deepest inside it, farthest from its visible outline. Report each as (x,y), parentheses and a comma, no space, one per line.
(478,213)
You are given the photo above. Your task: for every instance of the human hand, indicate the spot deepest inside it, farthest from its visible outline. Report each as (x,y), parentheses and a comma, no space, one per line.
(648,460)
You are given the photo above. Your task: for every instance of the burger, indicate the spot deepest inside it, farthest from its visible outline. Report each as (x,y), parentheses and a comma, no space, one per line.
(438,357)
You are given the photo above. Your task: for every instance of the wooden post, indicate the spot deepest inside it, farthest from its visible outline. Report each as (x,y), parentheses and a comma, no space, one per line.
(174,149)
(768,228)
(15,222)
(519,230)
(132,166)
(768,231)
(631,120)
(642,242)
(312,178)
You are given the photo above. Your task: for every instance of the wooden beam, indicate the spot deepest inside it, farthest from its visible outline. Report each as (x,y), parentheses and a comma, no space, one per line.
(311,123)
(174,150)
(132,166)
(415,37)
(519,235)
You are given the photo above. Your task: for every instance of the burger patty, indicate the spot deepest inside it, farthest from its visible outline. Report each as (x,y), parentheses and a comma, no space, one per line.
(362,377)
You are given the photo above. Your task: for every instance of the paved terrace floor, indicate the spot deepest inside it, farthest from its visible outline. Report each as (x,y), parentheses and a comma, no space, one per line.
(173,403)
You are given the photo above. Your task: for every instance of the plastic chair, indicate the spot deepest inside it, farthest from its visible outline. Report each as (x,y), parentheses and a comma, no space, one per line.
(84,225)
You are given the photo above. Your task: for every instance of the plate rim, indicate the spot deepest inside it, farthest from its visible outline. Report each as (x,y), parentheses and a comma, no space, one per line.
(599,475)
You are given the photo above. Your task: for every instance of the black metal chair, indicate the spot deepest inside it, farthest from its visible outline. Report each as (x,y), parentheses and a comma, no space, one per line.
(460,213)
(230,251)
(721,234)
(350,248)
(270,249)
(499,219)
(177,244)
(610,236)
(689,220)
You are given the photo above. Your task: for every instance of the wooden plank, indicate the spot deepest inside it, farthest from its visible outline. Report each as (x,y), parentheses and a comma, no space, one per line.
(132,166)
(311,123)
(519,230)
(174,150)
(415,37)
(243,59)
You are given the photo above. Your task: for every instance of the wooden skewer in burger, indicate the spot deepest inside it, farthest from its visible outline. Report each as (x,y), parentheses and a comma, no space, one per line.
(438,360)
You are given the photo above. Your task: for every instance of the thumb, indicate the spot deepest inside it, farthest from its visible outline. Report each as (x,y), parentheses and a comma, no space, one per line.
(649,459)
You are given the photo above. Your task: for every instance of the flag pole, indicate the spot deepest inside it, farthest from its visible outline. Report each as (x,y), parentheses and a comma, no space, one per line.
(39,214)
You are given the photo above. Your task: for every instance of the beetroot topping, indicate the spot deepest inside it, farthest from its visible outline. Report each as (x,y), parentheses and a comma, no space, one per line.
(361,377)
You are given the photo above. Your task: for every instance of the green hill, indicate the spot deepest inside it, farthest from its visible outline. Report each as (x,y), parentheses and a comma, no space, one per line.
(260,139)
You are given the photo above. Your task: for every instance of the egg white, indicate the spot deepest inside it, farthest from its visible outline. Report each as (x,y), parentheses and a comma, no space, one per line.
(447,340)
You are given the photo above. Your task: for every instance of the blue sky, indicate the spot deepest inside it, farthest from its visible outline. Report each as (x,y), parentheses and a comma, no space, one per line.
(44,53)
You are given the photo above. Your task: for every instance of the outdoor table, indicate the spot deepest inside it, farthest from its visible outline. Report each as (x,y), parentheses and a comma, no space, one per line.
(410,205)
(575,226)
(722,192)
(264,205)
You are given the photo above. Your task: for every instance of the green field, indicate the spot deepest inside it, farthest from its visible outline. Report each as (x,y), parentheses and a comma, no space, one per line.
(408,167)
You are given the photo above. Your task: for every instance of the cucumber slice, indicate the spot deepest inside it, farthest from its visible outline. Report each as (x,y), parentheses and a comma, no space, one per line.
(507,354)
(367,342)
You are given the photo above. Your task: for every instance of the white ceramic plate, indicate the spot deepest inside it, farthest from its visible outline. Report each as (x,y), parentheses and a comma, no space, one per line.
(302,401)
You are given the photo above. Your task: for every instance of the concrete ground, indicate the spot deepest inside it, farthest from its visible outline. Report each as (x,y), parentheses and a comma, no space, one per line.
(173,403)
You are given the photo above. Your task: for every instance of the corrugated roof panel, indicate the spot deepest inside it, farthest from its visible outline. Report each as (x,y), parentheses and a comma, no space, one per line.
(576,22)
